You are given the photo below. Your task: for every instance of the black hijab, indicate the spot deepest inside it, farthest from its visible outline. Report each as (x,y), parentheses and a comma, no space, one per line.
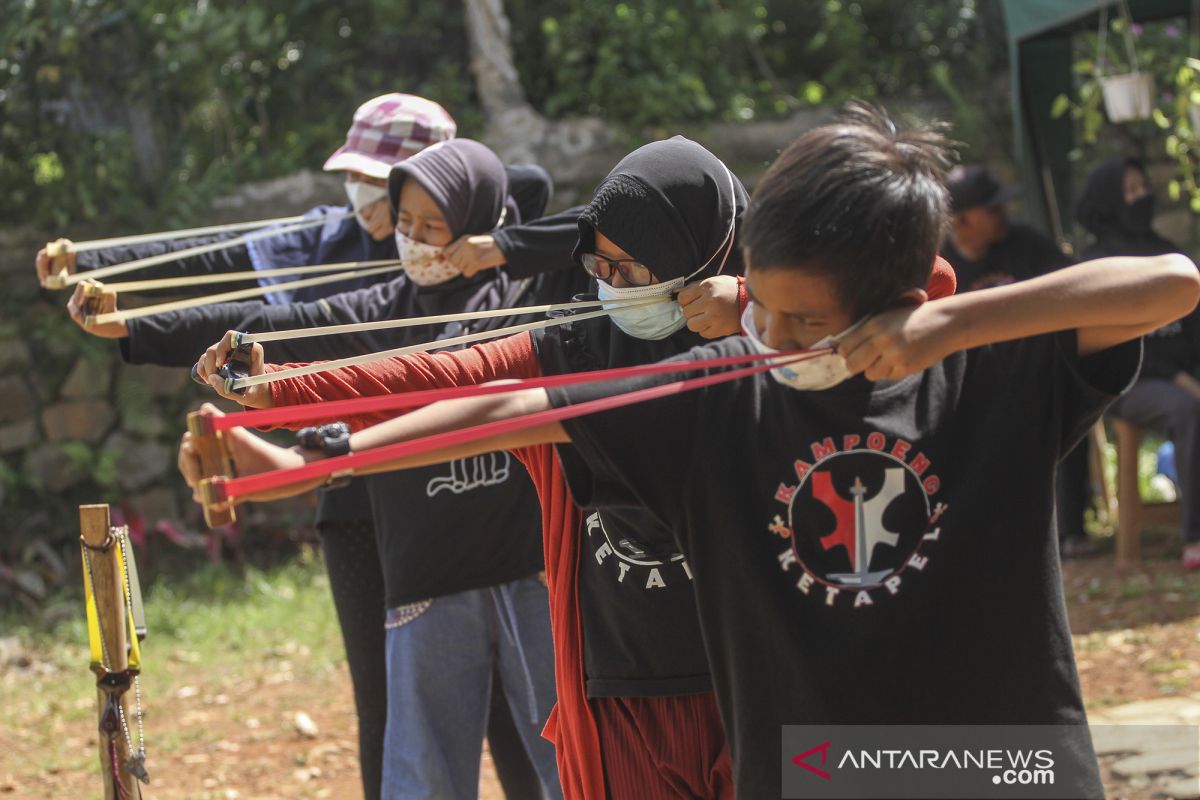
(466,180)
(469,185)
(1118,228)
(669,204)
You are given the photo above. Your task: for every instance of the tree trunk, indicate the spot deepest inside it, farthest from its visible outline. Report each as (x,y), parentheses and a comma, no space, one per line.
(496,77)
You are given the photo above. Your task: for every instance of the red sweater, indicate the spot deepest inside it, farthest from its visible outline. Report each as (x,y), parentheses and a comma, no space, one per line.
(571,726)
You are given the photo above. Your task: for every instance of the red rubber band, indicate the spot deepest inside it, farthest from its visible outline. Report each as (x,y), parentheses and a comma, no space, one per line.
(225,489)
(417,399)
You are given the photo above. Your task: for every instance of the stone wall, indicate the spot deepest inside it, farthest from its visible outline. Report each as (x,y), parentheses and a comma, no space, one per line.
(78,425)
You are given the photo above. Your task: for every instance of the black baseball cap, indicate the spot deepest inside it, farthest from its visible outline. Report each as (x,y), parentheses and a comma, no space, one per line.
(972,186)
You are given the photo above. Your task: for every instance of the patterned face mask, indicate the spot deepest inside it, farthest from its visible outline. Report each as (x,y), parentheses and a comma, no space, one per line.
(424,264)
(818,372)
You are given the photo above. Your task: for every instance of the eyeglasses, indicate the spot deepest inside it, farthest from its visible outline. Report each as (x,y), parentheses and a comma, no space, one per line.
(632,271)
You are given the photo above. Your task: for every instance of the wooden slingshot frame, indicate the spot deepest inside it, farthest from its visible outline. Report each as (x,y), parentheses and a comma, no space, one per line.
(215,462)
(92,292)
(115,627)
(57,277)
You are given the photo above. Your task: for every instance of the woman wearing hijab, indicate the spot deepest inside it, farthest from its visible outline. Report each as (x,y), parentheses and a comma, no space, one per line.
(362,523)
(635,714)
(385,131)
(1117,208)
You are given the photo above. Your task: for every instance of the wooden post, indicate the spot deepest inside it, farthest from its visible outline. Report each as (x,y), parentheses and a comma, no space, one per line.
(1129,499)
(214,462)
(109,590)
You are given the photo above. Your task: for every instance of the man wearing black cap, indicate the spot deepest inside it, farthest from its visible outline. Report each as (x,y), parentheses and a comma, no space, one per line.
(984,247)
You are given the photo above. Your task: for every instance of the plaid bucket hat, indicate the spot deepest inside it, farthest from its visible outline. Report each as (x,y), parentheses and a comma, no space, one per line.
(389,129)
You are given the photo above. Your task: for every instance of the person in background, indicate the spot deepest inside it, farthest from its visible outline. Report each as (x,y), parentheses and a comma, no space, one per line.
(385,131)
(987,250)
(984,246)
(1117,208)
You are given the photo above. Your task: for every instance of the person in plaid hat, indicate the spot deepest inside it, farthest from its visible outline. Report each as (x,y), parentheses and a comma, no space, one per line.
(385,131)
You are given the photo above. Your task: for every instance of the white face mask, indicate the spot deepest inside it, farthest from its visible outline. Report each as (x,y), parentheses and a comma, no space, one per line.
(424,264)
(363,194)
(652,321)
(813,373)
(660,320)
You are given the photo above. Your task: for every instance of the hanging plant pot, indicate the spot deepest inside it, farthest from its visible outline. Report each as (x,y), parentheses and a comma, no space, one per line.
(1128,97)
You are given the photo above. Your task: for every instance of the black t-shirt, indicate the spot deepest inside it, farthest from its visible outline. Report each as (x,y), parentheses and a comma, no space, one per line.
(1173,348)
(456,526)
(869,554)
(641,633)
(1025,252)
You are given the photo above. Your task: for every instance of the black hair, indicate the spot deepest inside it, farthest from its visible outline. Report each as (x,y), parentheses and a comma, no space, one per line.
(858,200)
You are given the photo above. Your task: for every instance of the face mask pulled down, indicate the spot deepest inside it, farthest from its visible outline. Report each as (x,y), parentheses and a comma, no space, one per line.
(814,372)
(424,264)
(362,194)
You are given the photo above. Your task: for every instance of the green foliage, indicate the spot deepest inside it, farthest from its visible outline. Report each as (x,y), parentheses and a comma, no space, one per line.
(137,114)
(129,116)
(665,61)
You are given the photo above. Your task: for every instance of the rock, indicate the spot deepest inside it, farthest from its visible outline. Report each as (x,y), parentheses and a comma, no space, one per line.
(78,420)
(1182,788)
(139,462)
(18,436)
(17,402)
(1170,709)
(14,355)
(155,380)
(305,725)
(291,194)
(51,466)
(1158,761)
(89,377)
(156,505)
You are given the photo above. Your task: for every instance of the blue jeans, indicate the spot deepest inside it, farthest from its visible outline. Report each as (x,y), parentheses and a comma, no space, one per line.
(439,665)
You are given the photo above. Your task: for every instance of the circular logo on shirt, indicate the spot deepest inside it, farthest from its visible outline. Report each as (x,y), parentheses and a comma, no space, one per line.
(627,556)
(857,518)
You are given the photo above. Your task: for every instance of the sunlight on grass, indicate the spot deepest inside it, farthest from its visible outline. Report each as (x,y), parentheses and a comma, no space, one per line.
(209,631)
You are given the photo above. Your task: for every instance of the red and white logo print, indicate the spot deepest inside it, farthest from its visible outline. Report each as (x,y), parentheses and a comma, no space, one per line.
(859,519)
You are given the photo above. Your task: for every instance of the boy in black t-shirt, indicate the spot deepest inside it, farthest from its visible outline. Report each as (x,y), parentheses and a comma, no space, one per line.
(877,547)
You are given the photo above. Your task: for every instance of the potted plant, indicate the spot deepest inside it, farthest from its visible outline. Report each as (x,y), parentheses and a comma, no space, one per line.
(1128,95)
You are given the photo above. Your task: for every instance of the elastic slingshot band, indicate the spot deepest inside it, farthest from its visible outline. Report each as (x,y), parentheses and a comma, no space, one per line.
(340,409)
(63,281)
(182,233)
(439,319)
(155,284)
(221,489)
(236,379)
(236,294)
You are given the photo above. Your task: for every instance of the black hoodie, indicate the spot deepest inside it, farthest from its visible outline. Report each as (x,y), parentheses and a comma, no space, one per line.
(1122,229)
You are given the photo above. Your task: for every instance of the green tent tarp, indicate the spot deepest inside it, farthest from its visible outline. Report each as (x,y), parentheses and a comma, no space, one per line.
(1039,37)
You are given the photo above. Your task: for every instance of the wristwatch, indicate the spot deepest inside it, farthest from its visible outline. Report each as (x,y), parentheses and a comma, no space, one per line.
(333,440)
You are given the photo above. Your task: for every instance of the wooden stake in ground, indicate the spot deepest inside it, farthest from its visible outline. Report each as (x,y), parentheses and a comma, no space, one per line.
(115,655)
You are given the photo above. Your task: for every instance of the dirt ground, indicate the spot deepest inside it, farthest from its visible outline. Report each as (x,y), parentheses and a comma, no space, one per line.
(235,735)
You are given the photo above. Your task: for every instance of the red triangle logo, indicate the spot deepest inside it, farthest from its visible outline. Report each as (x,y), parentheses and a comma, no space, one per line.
(823,749)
